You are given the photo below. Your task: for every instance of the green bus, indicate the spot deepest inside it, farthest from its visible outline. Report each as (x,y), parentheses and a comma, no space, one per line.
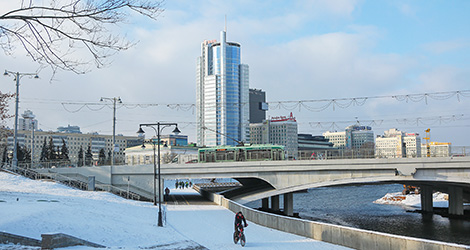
(262,152)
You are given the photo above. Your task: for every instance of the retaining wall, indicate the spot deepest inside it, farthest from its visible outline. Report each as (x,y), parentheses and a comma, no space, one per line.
(7,238)
(335,234)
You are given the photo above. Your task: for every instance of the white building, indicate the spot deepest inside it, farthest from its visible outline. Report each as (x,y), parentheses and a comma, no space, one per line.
(354,137)
(168,154)
(222,94)
(28,121)
(277,131)
(398,144)
(437,149)
(74,142)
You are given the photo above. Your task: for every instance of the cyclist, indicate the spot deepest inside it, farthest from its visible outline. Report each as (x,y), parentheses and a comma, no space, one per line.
(239,218)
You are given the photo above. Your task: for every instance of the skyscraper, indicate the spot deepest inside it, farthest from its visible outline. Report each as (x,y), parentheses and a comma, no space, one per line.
(222,93)
(258,106)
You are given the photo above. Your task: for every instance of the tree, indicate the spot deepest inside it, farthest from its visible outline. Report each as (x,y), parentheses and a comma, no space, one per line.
(88,156)
(51,152)
(5,155)
(102,157)
(44,152)
(108,160)
(80,157)
(23,153)
(64,151)
(52,32)
(4,98)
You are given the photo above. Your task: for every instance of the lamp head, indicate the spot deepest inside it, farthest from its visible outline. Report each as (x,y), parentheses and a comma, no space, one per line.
(143,145)
(101,99)
(140,131)
(176,131)
(119,100)
(36,77)
(6,73)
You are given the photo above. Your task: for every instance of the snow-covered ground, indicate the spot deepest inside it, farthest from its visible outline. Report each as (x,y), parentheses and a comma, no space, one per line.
(413,200)
(31,208)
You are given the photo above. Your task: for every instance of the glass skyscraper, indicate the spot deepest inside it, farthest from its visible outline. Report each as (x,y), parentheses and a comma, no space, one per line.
(222,93)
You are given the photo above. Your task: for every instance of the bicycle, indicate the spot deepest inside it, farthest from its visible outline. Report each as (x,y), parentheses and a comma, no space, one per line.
(239,235)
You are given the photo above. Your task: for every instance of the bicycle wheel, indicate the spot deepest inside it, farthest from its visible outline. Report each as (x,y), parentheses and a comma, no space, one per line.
(235,237)
(242,240)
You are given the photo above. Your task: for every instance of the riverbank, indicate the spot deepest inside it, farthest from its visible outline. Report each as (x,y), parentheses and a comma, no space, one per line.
(353,206)
(413,204)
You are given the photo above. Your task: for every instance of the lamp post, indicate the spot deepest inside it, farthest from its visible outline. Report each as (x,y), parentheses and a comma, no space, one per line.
(17,78)
(114,100)
(158,129)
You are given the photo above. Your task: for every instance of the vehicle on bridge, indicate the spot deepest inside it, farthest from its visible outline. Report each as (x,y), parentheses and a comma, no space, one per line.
(260,152)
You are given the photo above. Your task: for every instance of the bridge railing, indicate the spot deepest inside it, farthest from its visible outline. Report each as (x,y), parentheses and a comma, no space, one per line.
(369,153)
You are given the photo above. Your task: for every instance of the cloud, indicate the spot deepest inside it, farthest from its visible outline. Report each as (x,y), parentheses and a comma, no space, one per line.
(316,65)
(406,9)
(446,46)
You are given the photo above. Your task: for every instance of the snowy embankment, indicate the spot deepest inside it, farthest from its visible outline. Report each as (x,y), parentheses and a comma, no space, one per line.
(31,208)
(413,200)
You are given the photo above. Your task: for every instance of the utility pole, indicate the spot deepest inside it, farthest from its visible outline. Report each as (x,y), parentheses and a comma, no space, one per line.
(17,76)
(114,100)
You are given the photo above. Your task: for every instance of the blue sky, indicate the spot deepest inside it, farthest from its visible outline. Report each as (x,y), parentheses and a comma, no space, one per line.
(296,50)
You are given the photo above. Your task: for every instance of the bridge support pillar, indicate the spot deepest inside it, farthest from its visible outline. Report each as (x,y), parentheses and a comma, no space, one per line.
(275,202)
(426,199)
(455,201)
(289,204)
(265,203)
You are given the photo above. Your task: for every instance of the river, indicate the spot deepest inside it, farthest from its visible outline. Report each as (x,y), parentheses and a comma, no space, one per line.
(353,206)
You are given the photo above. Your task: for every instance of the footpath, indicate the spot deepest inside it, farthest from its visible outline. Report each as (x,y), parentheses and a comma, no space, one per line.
(212,227)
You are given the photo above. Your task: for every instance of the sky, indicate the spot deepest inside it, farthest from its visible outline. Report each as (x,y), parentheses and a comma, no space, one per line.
(297,51)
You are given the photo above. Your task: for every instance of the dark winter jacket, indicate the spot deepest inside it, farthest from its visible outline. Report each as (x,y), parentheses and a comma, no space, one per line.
(239,218)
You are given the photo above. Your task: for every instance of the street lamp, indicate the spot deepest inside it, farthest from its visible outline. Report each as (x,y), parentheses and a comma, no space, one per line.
(17,78)
(114,100)
(159,128)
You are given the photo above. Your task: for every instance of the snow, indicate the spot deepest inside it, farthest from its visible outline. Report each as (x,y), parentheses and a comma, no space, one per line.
(31,208)
(413,200)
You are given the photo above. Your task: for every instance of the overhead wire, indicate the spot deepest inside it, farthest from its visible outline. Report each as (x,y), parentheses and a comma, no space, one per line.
(320,104)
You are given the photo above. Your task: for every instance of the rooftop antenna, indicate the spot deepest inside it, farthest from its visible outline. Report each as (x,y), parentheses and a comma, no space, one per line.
(225,28)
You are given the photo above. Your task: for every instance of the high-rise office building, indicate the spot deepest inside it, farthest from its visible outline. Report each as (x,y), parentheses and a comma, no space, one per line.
(222,99)
(258,106)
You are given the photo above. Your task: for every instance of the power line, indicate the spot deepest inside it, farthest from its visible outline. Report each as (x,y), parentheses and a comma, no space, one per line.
(314,105)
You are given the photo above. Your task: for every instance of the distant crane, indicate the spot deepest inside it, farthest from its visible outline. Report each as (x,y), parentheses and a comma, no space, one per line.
(428,145)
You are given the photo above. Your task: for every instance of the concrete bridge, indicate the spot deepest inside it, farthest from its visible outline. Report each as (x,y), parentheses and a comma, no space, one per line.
(268,179)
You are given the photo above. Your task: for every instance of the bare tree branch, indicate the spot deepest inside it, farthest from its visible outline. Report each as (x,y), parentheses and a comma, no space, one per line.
(54,34)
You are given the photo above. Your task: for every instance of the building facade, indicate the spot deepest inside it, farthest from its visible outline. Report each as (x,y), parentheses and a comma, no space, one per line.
(74,143)
(139,155)
(258,106)
(27,122)
(398,144)
(437,149)
(310,142)
(222,94)
(353,137)
(277,131)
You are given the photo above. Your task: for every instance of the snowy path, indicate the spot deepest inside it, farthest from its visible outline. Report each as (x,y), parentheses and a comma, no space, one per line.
(212,227)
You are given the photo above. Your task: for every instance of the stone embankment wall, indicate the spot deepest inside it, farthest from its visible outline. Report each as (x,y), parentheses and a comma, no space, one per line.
(335,234)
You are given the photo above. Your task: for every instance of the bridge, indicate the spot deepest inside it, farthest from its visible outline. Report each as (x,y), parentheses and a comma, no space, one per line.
(267,180)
